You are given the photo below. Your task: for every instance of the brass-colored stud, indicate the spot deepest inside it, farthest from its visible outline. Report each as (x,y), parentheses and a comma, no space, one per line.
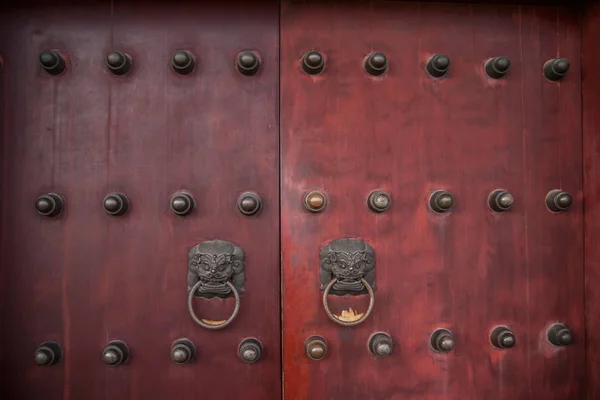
(315,201)
(315,347)
(379,201)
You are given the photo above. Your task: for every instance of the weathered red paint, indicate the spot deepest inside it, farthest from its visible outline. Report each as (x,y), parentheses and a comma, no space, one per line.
(347,133)
(87,278)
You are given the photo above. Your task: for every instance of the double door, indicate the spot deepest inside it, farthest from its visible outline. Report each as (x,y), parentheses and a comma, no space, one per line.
(371,200)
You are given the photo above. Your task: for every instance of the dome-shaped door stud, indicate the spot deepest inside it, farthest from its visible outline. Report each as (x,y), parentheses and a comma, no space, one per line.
(438,65)
(118,62)
(313,63)
(49,205)
(497,67)
(379,201)
(441,201)
(501,200)
(182,204)
(53,62)
(115,353)
(442,341)
(116,204)
(182,351)
(183,62)
(503,338)
(248,63)
(558,200)
(376,63)
(250,350)
(381,344)
(47,354)
(560,335)
(556,68)
(249,203)
(315,347)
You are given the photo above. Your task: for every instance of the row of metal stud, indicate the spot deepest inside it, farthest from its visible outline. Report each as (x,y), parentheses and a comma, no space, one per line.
(438,65)
(441,340)
(442,201)
(117,352)
(248,63)
(249,203)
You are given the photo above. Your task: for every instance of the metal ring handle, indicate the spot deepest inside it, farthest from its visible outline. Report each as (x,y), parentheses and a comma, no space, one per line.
(349,323)
(204,324)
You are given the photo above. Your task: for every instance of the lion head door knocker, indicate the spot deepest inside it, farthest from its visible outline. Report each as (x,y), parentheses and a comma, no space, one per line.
(215,269)
(347,268)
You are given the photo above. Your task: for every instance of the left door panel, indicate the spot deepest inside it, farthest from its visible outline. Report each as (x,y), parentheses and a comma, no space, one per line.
(83,277)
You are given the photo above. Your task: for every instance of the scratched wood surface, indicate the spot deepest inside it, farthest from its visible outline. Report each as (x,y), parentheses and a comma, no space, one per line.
(591,149)
(86,278)
(470,270)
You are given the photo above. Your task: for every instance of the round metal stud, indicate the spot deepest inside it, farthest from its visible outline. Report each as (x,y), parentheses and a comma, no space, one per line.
(182,351)
(47,354)
(116,204)
(438,65)
(315,201)
(497,67)
(49,205)
(182,204)
(558,200)
(52,62)
(118,62)
(556,68)
(313,63)
(379,201)
(248,63)
(381,344)
(441,201)
(249,203)
(183,62)
(250,350)
(315,347)
(115,353)
(503,338)
(442,341)
(376,64)
(501,200)
(560,335)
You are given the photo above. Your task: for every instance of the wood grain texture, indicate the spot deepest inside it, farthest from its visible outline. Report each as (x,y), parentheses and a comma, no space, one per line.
(347,133)
(591,190)
(87,278)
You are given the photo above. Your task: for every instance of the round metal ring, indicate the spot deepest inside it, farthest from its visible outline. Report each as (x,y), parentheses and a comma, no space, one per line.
(204,324)
(347,323)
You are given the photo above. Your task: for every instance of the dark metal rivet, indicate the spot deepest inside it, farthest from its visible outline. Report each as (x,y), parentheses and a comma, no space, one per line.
(438,65)
(560,335)
(47,354)
(116,204)
(558,200)
(441,201)
(376,63)
(115,353)
(49,205)
(503,338)
(249,203)
(381,344)
(315,347)
(379,201)
(118,62)
(183,62)
(500,200)
(250,350)
(315,201)
(248,63)
(53,62)
(442,341)
(556,68)
(182,203)
(497,67)
(183,351)
(313,63)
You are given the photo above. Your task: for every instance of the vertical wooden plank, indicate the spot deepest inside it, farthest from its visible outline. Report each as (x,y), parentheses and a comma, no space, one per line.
(591,191)
(554,243)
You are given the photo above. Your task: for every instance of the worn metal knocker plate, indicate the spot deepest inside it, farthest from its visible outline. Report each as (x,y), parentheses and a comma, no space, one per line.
(215,269)
(348,268)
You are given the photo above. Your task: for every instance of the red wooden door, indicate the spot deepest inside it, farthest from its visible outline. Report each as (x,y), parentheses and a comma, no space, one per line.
(346,132)
(84,278)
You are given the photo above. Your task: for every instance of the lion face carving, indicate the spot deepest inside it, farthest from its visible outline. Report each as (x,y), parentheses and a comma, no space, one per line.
(348,261)
(214,263)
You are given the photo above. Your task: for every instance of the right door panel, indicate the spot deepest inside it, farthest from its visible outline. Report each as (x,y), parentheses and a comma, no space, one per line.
(450,263)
